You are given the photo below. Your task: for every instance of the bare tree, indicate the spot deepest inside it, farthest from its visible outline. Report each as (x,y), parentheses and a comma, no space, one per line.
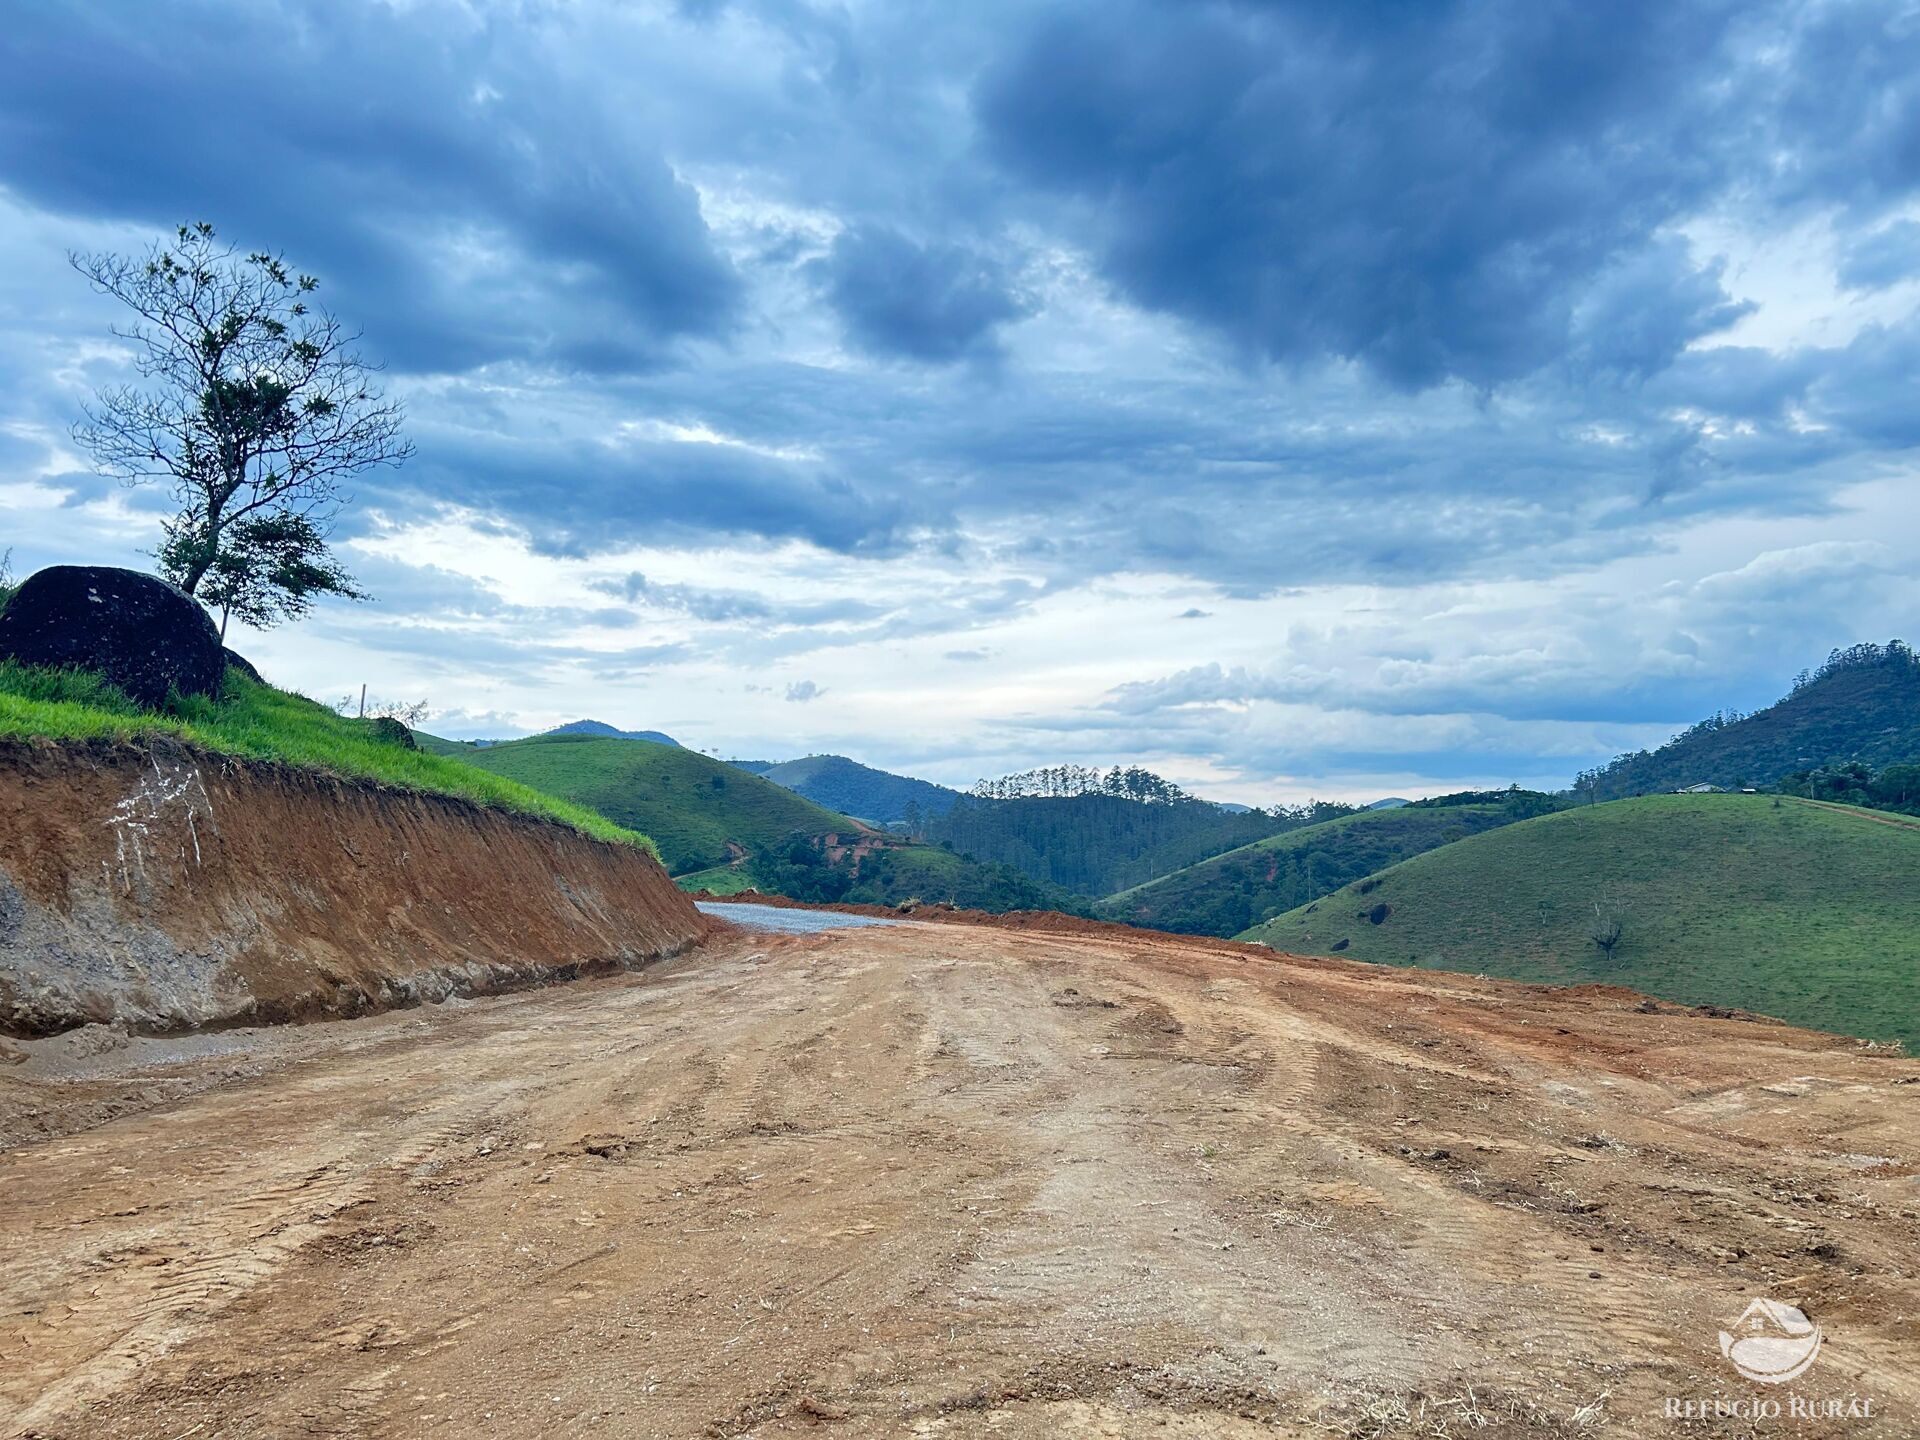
(1609,924)
(253,406)
(407,712)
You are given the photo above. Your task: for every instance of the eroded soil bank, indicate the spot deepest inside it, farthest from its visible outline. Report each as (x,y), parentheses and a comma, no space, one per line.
(159,888)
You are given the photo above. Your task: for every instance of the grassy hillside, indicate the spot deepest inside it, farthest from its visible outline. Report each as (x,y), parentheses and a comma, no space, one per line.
(1863,704)
(1093,844)
(1803,911)
(263,723)
(1228,893)
(436,745)
(855,789)
(694,807)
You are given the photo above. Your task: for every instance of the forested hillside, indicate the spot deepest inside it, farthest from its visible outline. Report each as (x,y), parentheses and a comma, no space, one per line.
(1095,844)
(888,873)
(861,791)
(1862,705)
(1228,893)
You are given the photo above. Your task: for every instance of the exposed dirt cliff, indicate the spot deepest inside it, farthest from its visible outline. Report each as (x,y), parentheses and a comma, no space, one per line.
(158,887)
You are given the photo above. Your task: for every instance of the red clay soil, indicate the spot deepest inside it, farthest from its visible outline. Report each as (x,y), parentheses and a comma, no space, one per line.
(160,887)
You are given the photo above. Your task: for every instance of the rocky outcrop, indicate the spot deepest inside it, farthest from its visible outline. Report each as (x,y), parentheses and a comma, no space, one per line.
(158,887)
(139,632)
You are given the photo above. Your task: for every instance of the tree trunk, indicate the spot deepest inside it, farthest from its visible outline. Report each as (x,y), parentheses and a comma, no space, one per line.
(210,549)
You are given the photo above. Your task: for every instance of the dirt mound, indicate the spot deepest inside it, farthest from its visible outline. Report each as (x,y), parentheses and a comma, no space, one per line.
(157,887)
(141,633)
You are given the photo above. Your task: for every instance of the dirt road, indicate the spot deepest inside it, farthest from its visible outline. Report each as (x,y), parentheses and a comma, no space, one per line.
(945,1181)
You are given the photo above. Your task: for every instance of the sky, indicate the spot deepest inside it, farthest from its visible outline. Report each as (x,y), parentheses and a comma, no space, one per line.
(1299,399)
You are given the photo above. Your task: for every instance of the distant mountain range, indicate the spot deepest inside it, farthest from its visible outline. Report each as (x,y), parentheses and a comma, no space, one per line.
(876,796)
(438,745)
(720,828)
(601,728)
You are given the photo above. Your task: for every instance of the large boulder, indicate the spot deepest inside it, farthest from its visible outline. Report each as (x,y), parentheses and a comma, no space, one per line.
(138,632)
(389,731)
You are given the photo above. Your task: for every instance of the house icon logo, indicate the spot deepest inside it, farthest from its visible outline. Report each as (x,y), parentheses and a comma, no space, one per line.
(1771,1343)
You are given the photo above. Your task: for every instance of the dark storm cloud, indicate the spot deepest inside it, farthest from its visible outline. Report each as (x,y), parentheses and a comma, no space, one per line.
(898,297)
(1466,191)
(580,496)
(471,208)
(1266,295)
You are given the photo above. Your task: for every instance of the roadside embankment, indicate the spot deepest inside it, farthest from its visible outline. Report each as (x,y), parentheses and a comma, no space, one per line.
(159,887)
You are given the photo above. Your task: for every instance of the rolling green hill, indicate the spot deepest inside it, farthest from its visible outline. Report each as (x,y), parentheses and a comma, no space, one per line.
(1862,704)
(438,745)
(693,806)
(851,788)
(1805,911)
(1227,893)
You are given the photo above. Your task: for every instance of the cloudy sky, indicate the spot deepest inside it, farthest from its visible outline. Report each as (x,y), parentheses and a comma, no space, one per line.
(1299,398)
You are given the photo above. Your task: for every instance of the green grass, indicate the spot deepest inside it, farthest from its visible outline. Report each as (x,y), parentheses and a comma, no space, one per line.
(1227,893)
(434,745)
(719,880)
(691,805)
(1808,914)
(262,723)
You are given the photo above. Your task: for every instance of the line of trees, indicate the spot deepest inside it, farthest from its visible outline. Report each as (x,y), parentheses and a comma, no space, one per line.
(1864,656)
(1056,782)
(1851,782)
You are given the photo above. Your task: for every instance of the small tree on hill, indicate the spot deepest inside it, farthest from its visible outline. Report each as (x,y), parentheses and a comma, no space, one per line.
(253,406)
(1608,928)
(269,571)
